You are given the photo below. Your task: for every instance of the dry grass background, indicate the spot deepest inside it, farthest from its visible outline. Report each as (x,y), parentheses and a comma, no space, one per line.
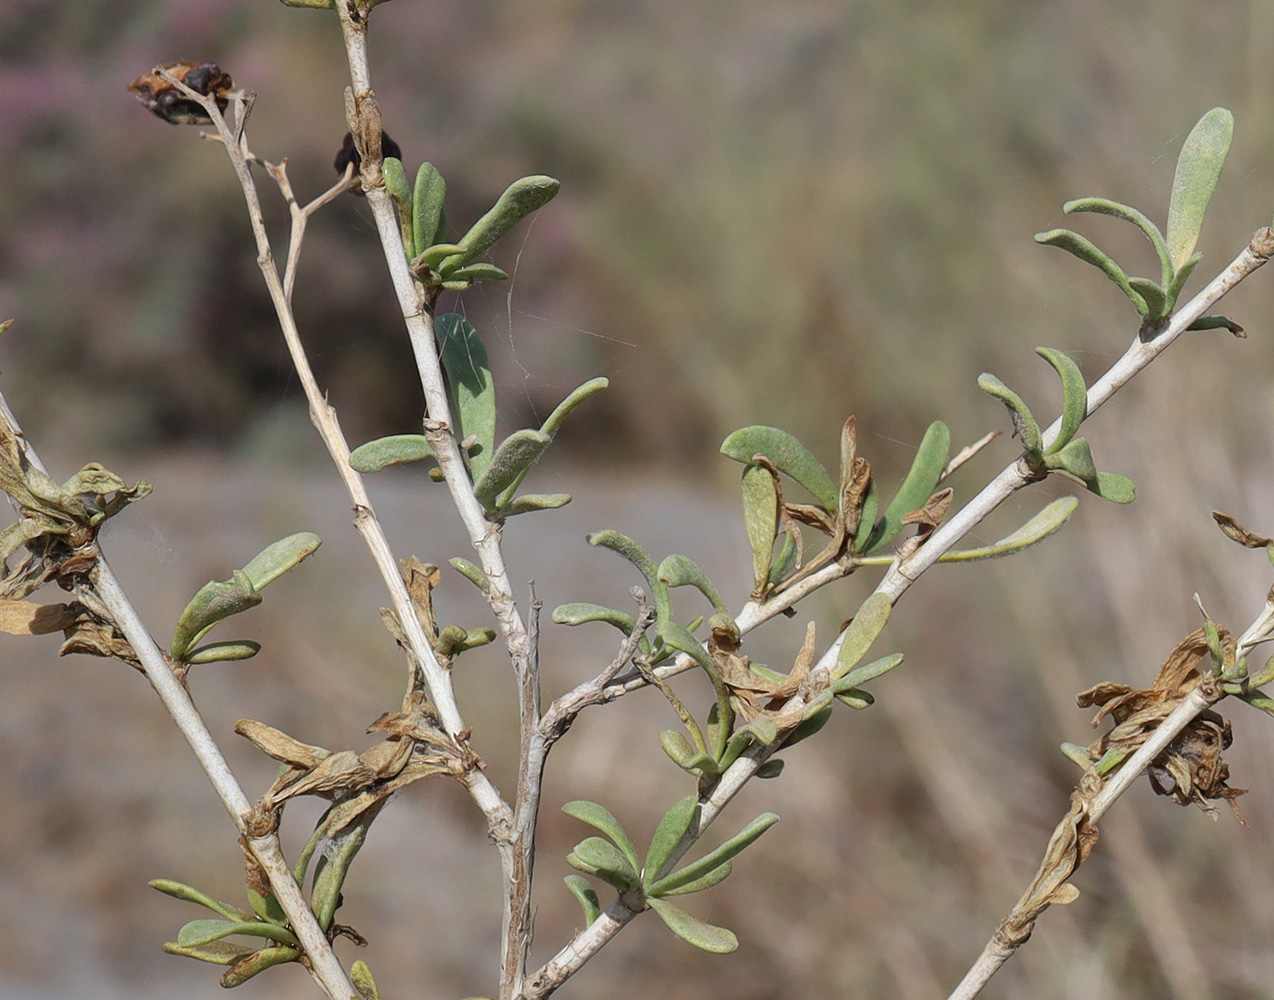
(770,213)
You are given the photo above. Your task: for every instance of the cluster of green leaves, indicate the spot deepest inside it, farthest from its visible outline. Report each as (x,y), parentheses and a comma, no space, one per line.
(1198,169)
(1067,455)
(613,859)
(218,600)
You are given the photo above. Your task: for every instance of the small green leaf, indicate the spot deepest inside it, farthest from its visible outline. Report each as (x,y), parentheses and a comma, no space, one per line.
(396,184)
(855,698)
(787,455)
(692,930)
(668,834)
(761,521)
(224,952)
(713,878)
(1156,299)
(205,930)
(1024,425)
(257,963)
(215,601)
(1105,206)
(528,503)
(472,390)
(635,554)
(586,391)
(1076,459)
(214,652)
(867,518)
(433,256)
(332,868)
(471,572)
(603,819)
(477,271)
(772,768)
(1086,251)
(427,198)
(1198,170)
(1074,395)
(685,755)
(1217,323)
(267,908)
(1043,524)
(867,672)
(602,859)
(516,454)
(1077,755)
(1178,282)
(811,724)
(869,621)
(682,571)
(393,450)
(179,890)
(784,562)
(713,859)
(585,895)
(361,976)
(1114,487)
(519,200)
(579,612)
(917,487)
(277,558)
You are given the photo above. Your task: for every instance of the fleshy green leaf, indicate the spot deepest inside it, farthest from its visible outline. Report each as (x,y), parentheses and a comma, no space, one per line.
(1198,170)
(682,571)
(668,834)
(1156,299)
(917,487)
(361,976)
(257,963)
(1076,459)
(868,623)
(214,652)
(784,562)
(1074,395)
(480,270)
(1105,206)
(266,907)
(811,724)
(761,521)
(867,672)
(1086,251)
(685,755)
(530,502)
(215,601)
(589,389)
(1043,524)
(179,890)
(278,557)
(1178,282)
(585,895)
(472,390)
(635,554)
(1024,425)
(224,952)
(714,859)
(714,877)
(427,198)
(692,930)
(393,450)
(1114,487)
(471,572)
(516,454)
(519,200)
(205,930)
(603,819)
(332,868)
(396,184)
(602,859)
(787,455)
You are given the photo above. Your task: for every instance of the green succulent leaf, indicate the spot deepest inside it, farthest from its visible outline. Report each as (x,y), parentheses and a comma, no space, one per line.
(515,456)
(1198,170)
(603,819)
(707,937)
(426,211)
(471,572)
(714,859)
(788,455)
(206,930)
(586,391)
(332,868)
(713,878)
(480,270)
(393,450)
(278,557)
(917,487)
(784,562)
(267,908)
(682,571)
(1074,395)
(179,890)
(528,503)
(868,623)
(760,520)
(1039,527)
(432,257)
(1114,487)
(1076,459)
(215,652)
(1217,323)
(635,554)
(685,755)
(257,963)
(580,612)
(1178,283)
(519,200)
(361,976)
(396,184)
(585,895)
(472,390)
(215,601)
(855,698)
(668,834)
(867,517)
(867,672)
(1105,206)
(1024,425)
(811,724)
(1086,251)
(602,859)
(1156,299)
(224,952)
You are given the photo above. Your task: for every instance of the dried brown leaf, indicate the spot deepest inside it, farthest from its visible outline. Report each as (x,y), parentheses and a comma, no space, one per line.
(29,618)
(280,745)
(1236,532)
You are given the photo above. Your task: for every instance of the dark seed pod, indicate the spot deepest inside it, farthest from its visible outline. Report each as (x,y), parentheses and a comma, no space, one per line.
(166,101)
(349,154)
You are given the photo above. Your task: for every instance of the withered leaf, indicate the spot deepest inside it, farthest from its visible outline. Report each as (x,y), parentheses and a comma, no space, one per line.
(280,745)
(1236,532)
(29,618)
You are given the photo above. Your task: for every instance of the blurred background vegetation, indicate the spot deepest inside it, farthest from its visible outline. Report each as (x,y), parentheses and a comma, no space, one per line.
(770,214)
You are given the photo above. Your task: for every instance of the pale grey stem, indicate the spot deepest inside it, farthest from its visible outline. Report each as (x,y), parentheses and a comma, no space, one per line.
(516,860)
(325,967)
(577,952)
